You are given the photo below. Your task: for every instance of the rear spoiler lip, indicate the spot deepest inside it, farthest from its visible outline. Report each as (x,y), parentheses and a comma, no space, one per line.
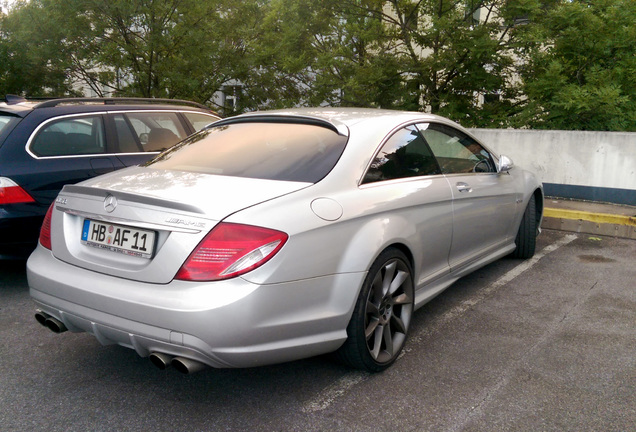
(257,117)
(131,197)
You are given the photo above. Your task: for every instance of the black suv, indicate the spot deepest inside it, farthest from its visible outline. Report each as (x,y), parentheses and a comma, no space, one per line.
(47,144)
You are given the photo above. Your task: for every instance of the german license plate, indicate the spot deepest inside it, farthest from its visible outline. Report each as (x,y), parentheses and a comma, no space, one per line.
(118,238)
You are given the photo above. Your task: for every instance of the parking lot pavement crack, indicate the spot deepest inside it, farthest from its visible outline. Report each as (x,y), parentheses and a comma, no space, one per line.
(578,303)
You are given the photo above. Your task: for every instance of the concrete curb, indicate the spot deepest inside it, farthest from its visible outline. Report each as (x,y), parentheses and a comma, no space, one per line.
(580,220)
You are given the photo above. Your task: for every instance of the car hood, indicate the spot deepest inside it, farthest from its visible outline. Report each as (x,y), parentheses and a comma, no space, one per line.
(214,196)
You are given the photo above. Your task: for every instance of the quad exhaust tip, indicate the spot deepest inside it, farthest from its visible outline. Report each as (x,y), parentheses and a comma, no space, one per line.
(161,361)
(186,365)
(53,324)
(41,317)
(181,364)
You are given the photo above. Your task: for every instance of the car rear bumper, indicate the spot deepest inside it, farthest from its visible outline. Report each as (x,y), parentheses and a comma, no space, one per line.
(230,323)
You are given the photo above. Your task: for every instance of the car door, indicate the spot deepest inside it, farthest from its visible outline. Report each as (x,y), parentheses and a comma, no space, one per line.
(484,202)
(65,150)
(405,177)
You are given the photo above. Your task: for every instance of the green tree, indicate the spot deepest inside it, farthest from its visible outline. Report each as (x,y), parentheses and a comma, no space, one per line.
(567,64)
(580,67)
(458,55)
(431,55)
(173,48)
(313,53)
(151,48)
(30,59)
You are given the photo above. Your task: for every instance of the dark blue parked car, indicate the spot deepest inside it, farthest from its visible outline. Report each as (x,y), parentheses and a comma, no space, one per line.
(47,144)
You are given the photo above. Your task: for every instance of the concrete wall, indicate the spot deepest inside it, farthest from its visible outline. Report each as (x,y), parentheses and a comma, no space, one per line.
(577,160)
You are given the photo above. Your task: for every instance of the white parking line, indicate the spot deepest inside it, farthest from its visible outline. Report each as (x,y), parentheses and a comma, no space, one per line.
(334,391)
(340,387)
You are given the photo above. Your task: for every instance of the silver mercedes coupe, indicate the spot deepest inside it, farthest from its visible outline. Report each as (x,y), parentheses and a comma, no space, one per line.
(274,236)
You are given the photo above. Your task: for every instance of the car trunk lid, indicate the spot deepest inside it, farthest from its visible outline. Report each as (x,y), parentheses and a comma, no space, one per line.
(142,224)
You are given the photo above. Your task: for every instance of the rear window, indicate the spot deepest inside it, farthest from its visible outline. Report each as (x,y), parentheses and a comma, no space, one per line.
(272,151)
(70,136)
(6,120)
(199,120)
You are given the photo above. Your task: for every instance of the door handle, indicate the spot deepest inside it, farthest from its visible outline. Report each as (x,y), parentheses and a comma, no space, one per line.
(463,187)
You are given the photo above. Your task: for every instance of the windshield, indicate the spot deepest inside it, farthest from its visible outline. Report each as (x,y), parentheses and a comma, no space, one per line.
(263,150)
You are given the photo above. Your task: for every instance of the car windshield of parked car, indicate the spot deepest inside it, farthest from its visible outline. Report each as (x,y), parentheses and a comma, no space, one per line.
(263,150)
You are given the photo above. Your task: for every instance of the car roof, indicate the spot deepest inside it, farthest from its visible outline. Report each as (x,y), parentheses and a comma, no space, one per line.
(21,107)
(339,119)
(369,124)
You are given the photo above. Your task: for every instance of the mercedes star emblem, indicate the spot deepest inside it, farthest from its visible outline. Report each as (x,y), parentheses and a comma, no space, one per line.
(110,203)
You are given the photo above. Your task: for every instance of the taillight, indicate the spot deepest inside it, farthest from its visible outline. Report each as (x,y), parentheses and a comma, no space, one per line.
(45,231)
(230,250)
(11,193)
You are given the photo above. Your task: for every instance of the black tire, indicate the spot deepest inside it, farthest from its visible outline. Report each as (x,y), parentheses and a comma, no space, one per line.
(380,322)
(527,235)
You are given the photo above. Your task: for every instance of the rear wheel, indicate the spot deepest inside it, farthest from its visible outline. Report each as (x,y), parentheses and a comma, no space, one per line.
(527,234)
(382,316)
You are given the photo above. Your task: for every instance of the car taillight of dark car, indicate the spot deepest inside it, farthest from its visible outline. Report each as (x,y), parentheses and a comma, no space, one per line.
(12,193)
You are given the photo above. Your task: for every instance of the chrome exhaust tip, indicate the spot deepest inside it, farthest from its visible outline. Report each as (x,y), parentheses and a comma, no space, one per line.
(55,325)
(161,361)
(187,366)
(41,317)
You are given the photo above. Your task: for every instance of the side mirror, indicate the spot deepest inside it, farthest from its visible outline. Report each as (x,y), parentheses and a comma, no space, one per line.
(505,163)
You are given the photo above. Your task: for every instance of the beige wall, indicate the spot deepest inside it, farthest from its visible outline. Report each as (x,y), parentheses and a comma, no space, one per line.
(597,159)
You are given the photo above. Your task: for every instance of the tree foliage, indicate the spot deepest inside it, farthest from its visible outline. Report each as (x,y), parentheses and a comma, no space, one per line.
(580,67)
(452,56)
(314,53)
(31,61)
(565,64)
(172,48)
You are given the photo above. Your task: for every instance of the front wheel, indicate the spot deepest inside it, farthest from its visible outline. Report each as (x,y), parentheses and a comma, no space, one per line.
(382,316)
(527,234)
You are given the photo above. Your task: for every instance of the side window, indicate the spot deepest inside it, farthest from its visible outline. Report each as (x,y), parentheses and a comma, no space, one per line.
(70,136)
(127,140)
(405,154)
(156,131)
(199,120)
(455,151)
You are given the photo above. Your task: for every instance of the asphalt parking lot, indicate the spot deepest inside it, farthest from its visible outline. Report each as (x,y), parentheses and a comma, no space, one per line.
(547,344)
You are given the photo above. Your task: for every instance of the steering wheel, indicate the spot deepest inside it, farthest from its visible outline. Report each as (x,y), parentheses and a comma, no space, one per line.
(482,166)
